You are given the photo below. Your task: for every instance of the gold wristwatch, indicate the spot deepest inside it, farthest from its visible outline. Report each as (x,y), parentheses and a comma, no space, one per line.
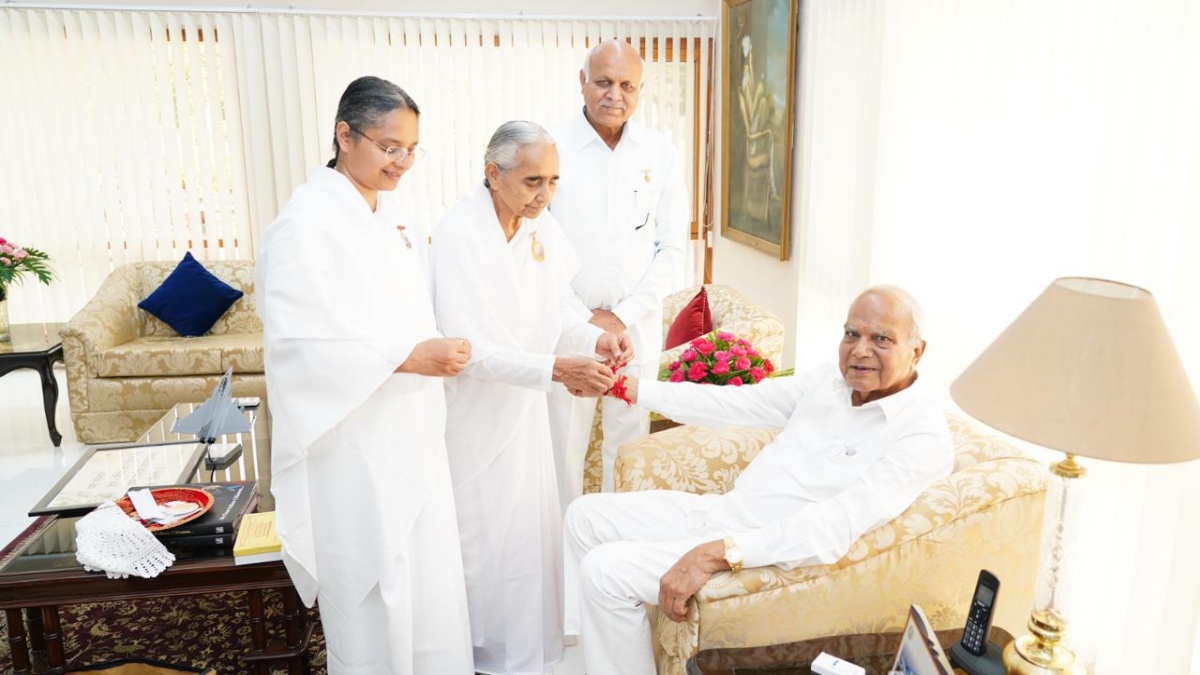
(733,555)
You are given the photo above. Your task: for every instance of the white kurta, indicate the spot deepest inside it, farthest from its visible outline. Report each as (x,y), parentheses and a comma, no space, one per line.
(625,210)
(514,309)
(359,469)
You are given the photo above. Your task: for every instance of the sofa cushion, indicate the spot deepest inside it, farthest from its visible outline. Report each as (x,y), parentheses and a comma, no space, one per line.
(190,299)
(175,356)
(693,320)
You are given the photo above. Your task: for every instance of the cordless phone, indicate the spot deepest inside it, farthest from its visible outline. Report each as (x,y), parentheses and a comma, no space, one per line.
(979,617)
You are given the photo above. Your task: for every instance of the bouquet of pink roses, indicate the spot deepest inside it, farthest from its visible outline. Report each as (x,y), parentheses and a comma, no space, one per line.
(722,359)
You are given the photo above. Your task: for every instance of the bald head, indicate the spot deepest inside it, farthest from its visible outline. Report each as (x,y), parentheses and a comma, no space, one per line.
(611,82)
(881,343)
(905,305)
(619,48)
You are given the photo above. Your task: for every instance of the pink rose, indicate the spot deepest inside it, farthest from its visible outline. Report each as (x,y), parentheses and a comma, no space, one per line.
(675,365)
(5,248)
(720,368)
(5,261)
(677,376)
(697,372)
(768,366)
(703,346)
(688,355)
(3,241)
(746,345)
(757,374)
(724,356)
(21,254)
(737,350)
(726,336)
(742,363)
(735,381)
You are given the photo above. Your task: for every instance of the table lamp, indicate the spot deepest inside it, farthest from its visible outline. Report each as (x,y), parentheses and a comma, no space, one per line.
(1088,369)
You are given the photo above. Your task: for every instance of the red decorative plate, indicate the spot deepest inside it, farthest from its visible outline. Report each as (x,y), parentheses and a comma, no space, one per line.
(164,496)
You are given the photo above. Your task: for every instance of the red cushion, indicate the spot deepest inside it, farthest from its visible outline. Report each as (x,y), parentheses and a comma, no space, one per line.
(693,321)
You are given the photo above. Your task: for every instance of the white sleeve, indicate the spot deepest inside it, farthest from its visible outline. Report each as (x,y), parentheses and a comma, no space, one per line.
(768,404)
(465,307)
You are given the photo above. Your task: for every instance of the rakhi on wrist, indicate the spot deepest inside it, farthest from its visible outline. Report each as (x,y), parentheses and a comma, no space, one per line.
(620,390)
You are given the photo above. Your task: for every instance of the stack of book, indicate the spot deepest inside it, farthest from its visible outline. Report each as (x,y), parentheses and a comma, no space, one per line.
(213,533)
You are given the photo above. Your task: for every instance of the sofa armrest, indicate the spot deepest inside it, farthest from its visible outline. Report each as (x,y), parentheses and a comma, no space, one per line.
(688,458)
(109,318)
(987,515)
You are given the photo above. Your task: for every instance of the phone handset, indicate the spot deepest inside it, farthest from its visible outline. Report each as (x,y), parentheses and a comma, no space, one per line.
(979,617)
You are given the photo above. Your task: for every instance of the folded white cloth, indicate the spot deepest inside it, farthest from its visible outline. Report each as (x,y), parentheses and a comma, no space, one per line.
(110,541)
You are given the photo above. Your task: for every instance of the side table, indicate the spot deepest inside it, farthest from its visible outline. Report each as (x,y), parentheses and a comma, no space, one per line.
(36,346)
(874,652)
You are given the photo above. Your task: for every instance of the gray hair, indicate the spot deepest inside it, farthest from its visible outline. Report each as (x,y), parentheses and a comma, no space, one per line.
(908,305)
(509,139)
(365,103)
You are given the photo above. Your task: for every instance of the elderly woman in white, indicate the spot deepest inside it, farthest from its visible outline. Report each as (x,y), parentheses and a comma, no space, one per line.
(502,270)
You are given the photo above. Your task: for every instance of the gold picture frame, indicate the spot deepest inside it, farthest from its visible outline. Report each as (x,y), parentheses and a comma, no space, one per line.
(758,90)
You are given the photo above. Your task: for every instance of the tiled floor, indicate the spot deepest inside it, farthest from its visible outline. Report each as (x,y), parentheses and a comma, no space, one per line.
(29,464)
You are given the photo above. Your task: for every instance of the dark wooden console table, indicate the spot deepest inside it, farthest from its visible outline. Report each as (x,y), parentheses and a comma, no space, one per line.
(36,346)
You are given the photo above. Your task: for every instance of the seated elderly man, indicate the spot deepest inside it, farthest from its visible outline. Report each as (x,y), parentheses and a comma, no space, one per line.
(856,449)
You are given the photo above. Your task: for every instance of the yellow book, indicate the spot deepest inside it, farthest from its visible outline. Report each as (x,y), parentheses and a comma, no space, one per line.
(257,540)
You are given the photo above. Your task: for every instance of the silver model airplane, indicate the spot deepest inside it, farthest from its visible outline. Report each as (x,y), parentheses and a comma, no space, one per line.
(218,415)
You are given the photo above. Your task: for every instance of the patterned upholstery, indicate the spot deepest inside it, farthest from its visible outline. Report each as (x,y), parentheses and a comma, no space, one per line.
(732,312)
(986,514)
(126,369)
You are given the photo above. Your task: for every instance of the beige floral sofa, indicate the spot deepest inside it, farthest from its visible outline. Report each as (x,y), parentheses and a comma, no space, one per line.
(731,311)
(125,368)
(986,514)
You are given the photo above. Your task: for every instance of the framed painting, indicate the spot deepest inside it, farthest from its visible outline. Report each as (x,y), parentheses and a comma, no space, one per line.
(758,86)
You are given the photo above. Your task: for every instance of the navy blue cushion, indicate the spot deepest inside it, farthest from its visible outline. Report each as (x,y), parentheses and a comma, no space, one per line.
(191,299)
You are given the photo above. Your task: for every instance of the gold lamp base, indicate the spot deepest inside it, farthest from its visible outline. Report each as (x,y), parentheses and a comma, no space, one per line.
(1041,653)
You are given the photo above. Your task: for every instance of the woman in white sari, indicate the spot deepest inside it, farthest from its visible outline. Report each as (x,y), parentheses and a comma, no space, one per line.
(354,365)
(502,271)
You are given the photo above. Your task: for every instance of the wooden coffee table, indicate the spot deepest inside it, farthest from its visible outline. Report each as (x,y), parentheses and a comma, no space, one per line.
(874,652)
(36,346)
(39,574)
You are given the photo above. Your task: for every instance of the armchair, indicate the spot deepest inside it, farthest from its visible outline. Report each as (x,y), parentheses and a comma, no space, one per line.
(731,311)
(986,514)
(126,369)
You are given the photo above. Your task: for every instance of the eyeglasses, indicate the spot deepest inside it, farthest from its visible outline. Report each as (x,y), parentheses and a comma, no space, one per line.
(394,153)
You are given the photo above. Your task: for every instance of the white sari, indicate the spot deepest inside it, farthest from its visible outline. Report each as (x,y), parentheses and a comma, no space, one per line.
(359,469)
(512,300)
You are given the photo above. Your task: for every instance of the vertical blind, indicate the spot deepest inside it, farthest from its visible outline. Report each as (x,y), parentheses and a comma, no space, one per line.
(141,135)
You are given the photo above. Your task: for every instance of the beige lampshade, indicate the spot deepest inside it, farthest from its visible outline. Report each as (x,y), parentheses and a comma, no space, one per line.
(1088,369)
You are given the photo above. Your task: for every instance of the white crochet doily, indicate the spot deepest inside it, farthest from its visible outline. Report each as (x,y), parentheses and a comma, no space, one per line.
(110,541)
